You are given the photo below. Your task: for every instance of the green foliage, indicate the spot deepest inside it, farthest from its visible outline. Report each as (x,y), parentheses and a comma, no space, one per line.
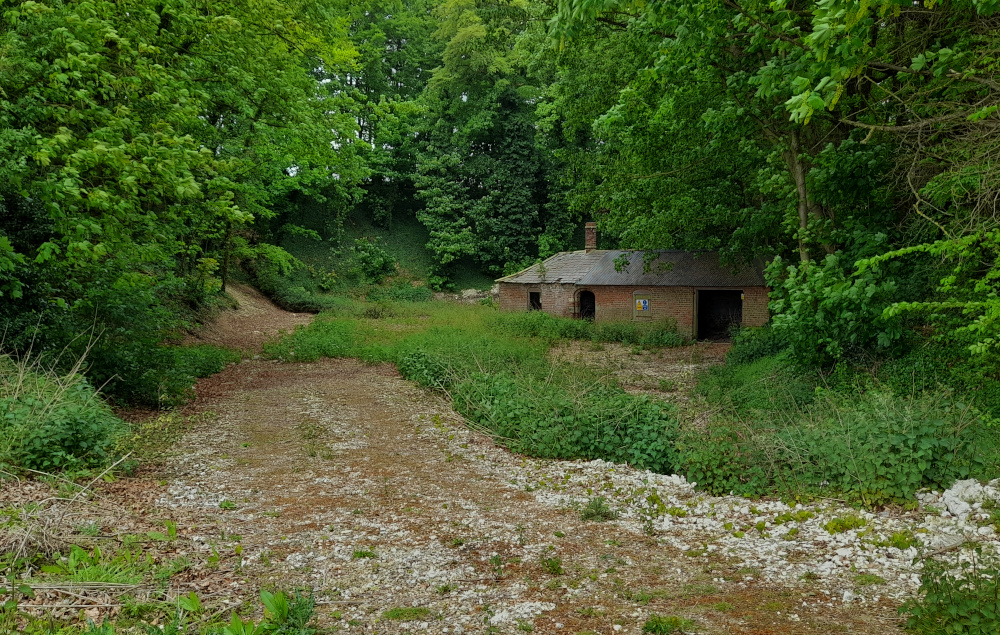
(553,565)
(567,421)
(649,335)
(872,447)
(597,509)
(841,524)
(399,292)
(406,613)
(767,384)
(826,315)
(131,181)
(323,338)
(543,325)
(51,421)
(374,262)
(665,624)
(956,597)
(751,344)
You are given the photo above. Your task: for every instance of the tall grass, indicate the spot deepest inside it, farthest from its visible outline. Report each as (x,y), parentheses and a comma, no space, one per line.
(52,420)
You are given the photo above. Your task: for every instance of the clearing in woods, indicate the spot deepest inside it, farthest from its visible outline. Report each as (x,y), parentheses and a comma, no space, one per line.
(344,478)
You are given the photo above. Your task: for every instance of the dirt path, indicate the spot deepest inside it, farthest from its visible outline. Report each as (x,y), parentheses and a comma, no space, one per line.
(254,321)
(345,478)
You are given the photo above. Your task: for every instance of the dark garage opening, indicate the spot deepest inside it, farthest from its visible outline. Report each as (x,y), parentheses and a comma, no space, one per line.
(534,301)
(718,311)
(588,305)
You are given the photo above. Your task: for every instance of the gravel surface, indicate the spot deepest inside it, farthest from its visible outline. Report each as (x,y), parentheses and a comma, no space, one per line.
(345,478)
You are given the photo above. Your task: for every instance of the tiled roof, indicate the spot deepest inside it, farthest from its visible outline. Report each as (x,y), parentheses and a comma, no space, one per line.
(566,267)
(670,268)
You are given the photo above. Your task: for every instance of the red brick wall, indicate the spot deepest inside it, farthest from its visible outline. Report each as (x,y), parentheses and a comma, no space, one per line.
(557,299)
(676,303)
(616,303)
(755,311)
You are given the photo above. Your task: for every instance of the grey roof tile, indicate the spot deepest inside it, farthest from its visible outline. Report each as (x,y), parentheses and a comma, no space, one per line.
(669,268)
(672,268)
(566,267)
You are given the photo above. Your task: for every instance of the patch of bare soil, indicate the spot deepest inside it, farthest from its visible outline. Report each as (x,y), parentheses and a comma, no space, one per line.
(255,320)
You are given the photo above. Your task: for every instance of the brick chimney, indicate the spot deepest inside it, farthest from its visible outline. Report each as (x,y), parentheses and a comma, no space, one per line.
(590,233)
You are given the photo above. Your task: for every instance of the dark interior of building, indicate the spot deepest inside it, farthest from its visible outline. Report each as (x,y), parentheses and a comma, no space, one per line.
(588,305)
(718,311)
(534,301)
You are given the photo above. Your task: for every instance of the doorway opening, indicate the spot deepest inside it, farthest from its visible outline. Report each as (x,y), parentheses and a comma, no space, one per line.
(718,312)
(534,300)
(588,305)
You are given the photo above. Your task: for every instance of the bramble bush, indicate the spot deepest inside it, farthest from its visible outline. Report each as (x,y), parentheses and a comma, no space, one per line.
(956,598)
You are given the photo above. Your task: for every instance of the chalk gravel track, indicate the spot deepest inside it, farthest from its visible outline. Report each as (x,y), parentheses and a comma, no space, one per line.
(349,480)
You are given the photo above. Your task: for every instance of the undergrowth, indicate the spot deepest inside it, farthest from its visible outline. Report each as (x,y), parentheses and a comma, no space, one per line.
(851,432)
(51,421)
(956,597)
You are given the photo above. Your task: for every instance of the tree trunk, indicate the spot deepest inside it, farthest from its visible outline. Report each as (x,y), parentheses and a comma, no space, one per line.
(795,165)
(225,255)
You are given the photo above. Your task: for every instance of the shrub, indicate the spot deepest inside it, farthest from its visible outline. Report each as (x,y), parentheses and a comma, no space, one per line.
(873,448)
(723,460)
(51,421)
(374,263)
(753,343)
(879,448)
(956,598)
(827,314)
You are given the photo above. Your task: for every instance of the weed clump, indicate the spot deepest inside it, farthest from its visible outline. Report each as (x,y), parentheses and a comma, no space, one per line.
(406,613)
(597,509)
(842,524)
(666,624)
(956,598)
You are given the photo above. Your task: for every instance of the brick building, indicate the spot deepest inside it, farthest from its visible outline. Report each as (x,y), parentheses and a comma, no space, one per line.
(693,289)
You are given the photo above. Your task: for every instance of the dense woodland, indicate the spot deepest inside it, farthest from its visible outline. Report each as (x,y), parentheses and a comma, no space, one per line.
(155,150)
(351,156)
